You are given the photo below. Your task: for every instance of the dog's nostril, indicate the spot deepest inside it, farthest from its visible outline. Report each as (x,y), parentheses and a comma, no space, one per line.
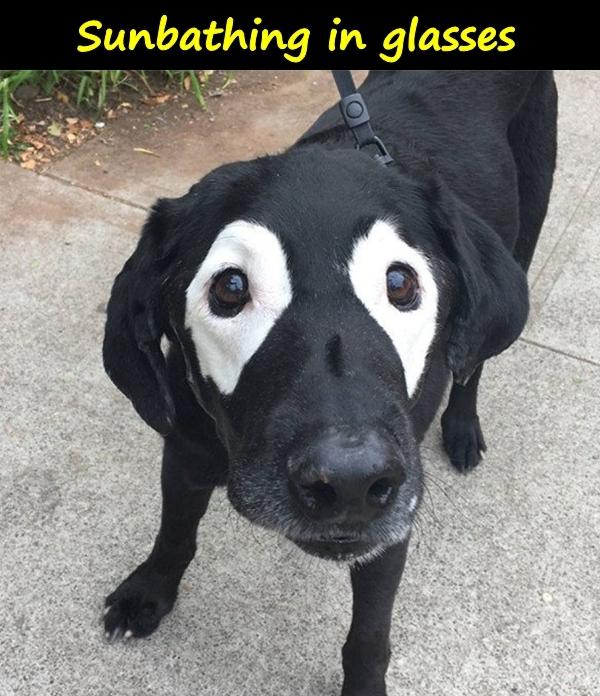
(381,492)
(318,495)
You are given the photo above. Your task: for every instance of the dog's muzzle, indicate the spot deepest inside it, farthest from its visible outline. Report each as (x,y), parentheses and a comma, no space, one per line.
(344,481)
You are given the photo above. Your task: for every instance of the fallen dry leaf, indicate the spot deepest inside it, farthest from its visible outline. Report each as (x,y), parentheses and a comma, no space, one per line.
(157,99)
(71,137)
(143,151)
(29,164)
(61,96)
(72,121)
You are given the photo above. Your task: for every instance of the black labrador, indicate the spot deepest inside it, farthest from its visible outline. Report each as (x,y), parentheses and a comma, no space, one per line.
(316,304)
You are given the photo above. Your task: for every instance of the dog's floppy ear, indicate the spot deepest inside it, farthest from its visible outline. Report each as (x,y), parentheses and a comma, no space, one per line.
(136,322)
(493,301)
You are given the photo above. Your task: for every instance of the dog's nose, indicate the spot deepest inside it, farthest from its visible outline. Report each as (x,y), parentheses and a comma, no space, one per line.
(347,477)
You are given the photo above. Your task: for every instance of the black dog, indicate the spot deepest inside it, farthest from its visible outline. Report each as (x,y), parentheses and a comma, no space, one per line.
(316,303)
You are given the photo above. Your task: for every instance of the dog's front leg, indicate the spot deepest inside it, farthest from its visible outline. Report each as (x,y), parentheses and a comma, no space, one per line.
(137,606)
(366,653)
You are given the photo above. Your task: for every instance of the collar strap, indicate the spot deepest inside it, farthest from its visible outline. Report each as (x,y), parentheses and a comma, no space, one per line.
(356,116)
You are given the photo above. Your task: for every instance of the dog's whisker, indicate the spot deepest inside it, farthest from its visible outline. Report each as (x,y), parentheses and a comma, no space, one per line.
(429,504)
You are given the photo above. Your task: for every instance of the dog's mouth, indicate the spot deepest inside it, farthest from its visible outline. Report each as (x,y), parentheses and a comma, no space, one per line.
(336,548)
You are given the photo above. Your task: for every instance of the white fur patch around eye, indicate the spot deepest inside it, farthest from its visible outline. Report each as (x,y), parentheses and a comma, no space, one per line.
(224,345)
(411,331)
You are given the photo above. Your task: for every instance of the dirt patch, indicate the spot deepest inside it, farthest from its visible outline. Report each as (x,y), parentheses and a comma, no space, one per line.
(51,126)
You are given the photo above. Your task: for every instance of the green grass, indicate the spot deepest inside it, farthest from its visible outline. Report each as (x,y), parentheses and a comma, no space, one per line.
(89,89)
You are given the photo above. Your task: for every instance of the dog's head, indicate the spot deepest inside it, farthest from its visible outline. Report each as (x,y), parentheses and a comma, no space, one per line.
(310,294)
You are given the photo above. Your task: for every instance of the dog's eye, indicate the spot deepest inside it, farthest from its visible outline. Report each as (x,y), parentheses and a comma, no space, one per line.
(402,286)
(229,293)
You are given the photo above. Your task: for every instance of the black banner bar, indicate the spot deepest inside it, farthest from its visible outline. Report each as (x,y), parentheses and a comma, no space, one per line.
(94,38)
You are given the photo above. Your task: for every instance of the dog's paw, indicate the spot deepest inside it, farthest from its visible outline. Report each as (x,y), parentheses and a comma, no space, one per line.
(364,691)
(136,607)
(463,441)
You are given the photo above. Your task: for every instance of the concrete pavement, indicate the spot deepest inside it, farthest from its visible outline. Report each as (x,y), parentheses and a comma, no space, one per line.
(500,595)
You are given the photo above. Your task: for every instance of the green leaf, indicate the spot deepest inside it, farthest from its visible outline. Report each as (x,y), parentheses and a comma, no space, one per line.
(55,129)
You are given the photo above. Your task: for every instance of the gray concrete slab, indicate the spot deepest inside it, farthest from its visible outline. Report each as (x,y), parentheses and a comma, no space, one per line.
(578,161)
(500,593)
(579,104)
(569,318)
(576,165)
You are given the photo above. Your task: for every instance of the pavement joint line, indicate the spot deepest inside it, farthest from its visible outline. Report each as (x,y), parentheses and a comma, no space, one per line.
(93,191)
(558,351)
(549,257)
